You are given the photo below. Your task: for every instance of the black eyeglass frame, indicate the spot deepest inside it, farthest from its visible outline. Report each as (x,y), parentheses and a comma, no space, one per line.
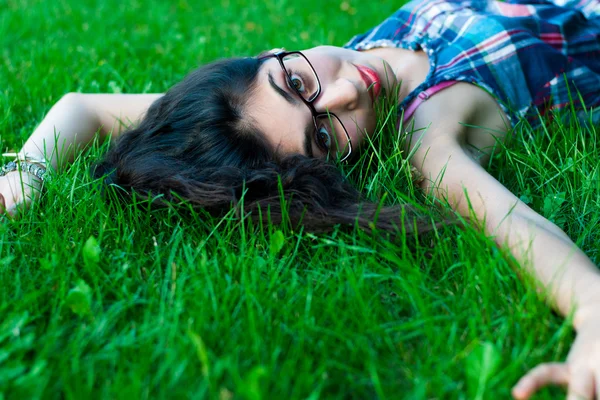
(279,55)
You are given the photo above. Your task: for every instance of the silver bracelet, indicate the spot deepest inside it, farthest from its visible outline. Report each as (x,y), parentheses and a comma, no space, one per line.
(28,167)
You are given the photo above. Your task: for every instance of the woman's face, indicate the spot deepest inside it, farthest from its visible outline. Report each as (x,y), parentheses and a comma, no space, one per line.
(351,84)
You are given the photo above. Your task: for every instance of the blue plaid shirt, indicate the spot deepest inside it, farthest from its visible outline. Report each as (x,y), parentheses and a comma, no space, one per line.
(533,56)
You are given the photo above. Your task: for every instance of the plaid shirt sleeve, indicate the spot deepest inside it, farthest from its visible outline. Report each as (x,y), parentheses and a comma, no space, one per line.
(533,56)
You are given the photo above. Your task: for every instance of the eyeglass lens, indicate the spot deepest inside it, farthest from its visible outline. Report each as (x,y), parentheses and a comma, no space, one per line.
(303,78)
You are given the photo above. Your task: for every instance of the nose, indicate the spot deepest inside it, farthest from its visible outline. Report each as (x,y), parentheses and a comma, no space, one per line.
(341,95)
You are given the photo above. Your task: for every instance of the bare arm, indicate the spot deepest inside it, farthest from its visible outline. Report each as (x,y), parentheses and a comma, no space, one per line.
(568,276)
(540,246)
(72,123)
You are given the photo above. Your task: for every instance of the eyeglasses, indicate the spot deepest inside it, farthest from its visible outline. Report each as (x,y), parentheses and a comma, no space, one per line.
(303,80)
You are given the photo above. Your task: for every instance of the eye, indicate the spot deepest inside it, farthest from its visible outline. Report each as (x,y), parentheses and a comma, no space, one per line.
(295,82)
(323,139)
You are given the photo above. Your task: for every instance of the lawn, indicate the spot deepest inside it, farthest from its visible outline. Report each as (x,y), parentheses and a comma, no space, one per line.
(99,300)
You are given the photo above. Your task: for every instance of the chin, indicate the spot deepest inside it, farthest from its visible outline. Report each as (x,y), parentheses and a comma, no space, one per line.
(357,139)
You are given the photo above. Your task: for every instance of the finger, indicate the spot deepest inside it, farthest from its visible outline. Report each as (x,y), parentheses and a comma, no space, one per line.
(581,385)
(597,383)
(6,207)
(540,376)
(3,207)
(12,211)
(595,366)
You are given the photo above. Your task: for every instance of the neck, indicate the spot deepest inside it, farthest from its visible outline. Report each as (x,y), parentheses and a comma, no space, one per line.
(410,68)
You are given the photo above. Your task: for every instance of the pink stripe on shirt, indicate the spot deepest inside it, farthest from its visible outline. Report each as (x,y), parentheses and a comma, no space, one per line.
(423,96)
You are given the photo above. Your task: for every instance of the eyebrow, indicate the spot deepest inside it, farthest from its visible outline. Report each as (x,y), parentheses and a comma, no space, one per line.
(308,131)
(288,97)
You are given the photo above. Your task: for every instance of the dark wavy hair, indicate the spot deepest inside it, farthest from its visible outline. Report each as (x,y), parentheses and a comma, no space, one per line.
(194,143)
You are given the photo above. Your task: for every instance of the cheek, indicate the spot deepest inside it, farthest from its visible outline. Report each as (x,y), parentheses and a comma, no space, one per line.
(369,122)
(364,126)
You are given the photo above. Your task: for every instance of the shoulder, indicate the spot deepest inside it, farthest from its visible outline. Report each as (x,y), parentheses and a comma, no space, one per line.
(460,114)
(445,112)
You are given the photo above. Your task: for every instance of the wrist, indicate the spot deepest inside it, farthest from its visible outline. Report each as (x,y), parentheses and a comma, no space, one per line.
(23,172)
(30,168)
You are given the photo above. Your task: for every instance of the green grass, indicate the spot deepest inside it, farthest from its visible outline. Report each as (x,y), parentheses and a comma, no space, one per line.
(103,301)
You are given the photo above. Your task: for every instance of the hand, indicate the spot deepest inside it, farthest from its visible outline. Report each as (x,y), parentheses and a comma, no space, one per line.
(581,371)
(18,188)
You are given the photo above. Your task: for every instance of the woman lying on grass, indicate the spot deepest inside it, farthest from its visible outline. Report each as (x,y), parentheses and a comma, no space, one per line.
(464,74)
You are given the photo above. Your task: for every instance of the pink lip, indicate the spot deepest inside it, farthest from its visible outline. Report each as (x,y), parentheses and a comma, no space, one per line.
(371,79)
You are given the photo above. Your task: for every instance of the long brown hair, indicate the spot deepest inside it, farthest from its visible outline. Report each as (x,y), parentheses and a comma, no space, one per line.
(194,144)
